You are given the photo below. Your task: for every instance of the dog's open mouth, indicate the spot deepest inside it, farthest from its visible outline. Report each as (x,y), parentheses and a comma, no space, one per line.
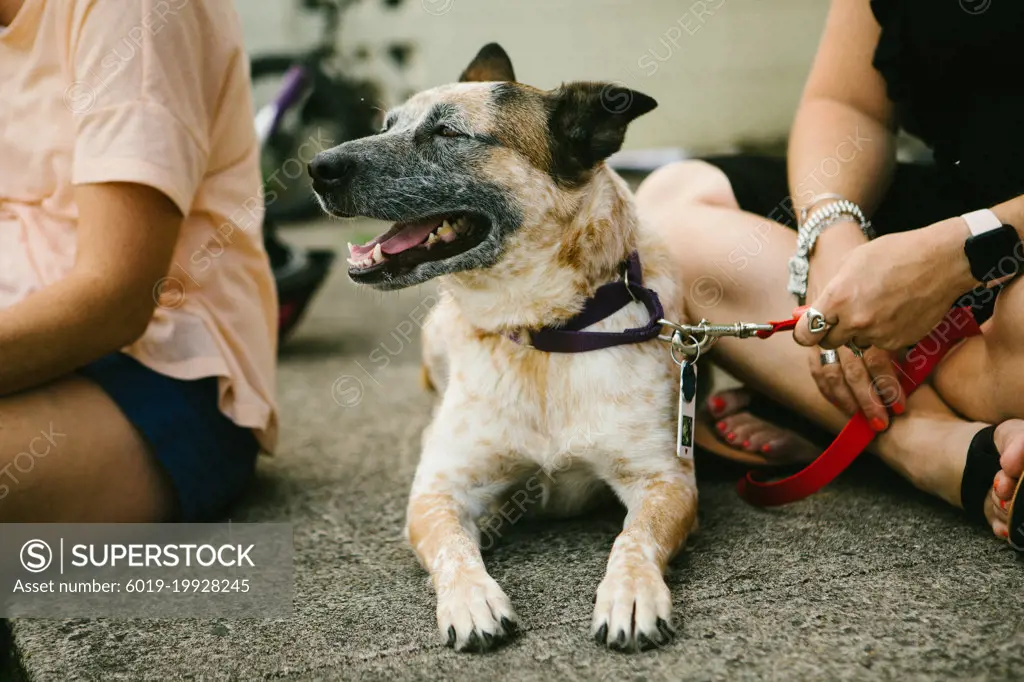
(407,244)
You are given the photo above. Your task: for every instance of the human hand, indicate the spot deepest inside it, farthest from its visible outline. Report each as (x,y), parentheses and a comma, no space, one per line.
(864,383)
(892,291)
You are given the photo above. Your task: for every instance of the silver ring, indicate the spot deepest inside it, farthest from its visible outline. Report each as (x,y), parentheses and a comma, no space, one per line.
(816,321)
(829,357)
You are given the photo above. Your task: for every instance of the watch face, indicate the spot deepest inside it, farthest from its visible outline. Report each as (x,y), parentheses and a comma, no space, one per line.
(995,254)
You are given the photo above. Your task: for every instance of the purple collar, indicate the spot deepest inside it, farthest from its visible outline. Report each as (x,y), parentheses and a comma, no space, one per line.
(606,301)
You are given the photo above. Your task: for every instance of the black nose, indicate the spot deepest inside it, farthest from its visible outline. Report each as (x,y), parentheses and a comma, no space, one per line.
(329,169)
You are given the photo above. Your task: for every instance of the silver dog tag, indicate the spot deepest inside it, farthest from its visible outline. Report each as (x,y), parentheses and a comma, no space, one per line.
(687,409)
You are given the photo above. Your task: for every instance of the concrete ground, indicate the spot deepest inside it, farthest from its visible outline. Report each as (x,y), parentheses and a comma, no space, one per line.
(868,579)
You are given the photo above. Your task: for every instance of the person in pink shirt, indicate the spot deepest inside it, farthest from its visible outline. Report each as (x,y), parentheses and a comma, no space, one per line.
(137,307)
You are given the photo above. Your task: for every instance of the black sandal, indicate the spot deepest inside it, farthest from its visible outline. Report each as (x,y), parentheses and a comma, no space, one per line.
(979,473)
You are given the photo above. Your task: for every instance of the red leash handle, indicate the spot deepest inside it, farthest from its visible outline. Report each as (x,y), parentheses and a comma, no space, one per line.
(958,324)
(784,325)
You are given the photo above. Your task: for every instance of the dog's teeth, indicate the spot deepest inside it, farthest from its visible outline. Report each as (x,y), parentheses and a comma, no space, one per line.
(431,238)
(351,248)
(378,255)
(460,224)
(367,262)
(353,263)
(445,232)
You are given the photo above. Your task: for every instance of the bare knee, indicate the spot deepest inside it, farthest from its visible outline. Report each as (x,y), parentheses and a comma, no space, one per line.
(685,182)
(678,202)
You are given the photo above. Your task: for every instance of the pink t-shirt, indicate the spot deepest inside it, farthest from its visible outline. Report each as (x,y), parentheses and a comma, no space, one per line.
(154,92)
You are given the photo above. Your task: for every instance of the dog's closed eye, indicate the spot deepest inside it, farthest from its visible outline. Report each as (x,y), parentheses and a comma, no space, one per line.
(443,130)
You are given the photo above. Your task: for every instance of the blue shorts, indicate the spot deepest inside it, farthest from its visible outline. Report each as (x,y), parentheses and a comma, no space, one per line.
(209,459)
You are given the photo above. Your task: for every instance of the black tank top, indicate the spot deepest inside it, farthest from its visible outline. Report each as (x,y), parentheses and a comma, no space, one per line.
(955,71)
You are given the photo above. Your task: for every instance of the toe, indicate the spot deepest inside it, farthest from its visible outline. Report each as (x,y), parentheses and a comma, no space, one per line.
(998,507)
(1004,486)
(735,428)
(725,403)
(1001,530)
(653,605)
(620,625)
(743,428)
(753,434)
(1009,438)
(761,437)
(996,512)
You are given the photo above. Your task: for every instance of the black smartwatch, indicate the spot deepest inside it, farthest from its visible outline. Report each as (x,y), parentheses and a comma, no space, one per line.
(993,250)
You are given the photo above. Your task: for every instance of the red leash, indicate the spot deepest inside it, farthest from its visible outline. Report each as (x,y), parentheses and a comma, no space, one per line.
(958,324)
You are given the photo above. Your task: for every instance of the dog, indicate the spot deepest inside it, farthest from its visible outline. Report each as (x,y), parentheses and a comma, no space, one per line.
(501,192)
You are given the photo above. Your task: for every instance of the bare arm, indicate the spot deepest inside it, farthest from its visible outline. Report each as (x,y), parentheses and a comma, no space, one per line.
(842,139)
(126,239)
(843,143)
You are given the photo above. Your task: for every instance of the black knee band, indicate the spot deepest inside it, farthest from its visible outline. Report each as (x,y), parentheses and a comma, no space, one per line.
(979,473)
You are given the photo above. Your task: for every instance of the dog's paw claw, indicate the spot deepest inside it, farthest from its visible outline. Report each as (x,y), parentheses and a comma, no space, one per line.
(666,630)
(509,626)
(475,614)
(632,610)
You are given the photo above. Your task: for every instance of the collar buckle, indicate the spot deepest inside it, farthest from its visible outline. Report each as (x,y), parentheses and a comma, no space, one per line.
(629,285)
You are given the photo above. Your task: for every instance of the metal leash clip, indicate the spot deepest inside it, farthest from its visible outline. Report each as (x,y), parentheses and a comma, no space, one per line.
(694,339)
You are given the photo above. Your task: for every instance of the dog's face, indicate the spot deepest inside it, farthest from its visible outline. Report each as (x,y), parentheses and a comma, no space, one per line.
(461,168)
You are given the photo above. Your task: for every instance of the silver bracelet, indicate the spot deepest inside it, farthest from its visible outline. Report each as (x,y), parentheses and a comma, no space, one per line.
(834,212)
(799,263)
(815,200)
(844,206)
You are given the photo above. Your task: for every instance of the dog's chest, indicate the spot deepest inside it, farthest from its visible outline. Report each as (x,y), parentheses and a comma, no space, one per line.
(556,409)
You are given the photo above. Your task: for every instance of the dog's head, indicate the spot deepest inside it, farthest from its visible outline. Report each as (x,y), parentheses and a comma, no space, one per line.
(461,168)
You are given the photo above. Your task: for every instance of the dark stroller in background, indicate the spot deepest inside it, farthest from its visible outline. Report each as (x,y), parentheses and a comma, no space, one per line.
(313,106)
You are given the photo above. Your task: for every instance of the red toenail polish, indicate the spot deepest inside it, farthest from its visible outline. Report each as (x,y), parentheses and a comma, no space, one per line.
(1002,504)
(1005,533)
(877,424)
(746,444)
(766,448)
(898,409)
(722,426)
(995,486)
(717,404)
(730,437)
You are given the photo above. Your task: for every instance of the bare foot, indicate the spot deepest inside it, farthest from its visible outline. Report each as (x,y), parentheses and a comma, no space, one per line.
(1009,439)
(741,429)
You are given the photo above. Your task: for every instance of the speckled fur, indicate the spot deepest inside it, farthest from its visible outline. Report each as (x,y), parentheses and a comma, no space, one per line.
(550,432)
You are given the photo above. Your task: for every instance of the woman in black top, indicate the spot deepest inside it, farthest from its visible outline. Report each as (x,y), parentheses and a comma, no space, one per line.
(952,73)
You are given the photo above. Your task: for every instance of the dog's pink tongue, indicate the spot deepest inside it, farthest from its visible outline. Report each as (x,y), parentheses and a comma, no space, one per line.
(411,234)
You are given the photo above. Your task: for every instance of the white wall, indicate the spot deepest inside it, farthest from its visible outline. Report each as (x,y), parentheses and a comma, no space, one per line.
(724,71)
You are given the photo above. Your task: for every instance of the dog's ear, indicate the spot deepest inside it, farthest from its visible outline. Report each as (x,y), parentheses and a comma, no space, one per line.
(588,122)
(491,63)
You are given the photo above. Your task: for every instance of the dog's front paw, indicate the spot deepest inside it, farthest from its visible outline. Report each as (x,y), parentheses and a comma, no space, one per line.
(633,609)
(474,614)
